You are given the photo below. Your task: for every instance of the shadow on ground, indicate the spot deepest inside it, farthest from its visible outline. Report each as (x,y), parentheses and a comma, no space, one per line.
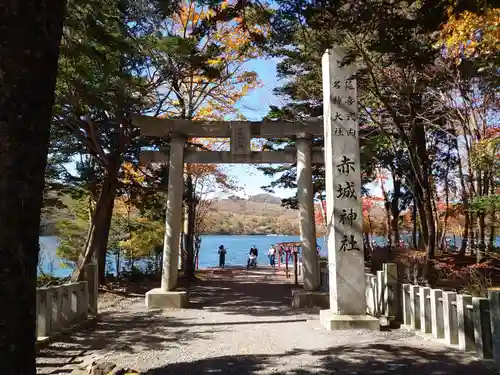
(127,332)
(259,293)
(342,360)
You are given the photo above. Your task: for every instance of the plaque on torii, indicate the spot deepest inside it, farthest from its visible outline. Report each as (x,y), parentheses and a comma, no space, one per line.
(240,139)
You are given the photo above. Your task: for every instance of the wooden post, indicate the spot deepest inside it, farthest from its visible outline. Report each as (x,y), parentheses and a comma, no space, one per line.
(295,267)
(286,264)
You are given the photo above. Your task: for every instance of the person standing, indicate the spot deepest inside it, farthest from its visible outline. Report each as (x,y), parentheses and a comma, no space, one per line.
(222,256)
(272,256)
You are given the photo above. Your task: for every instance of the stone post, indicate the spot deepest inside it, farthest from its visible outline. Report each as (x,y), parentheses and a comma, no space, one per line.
(482,327)
(450,318)
(83,300)
(405,296)
(414,307)
(371,293)
(173,217)
(44,311)
(91,277)
(437,313)
(425,310)
(343,198)
(57,323)
(391,297)
(381,292)
(494,297)
(167,296)
(305,193)
(465,325)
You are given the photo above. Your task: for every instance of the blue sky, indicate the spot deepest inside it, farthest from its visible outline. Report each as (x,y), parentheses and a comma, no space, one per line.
(255,106)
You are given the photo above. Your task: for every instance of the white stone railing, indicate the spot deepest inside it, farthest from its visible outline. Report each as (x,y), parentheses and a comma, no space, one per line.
(58,307)
(471,324)
(380,291)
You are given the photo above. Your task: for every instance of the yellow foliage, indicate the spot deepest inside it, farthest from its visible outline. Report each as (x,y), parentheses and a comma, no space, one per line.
(131,175)
(207,97)
(476,35)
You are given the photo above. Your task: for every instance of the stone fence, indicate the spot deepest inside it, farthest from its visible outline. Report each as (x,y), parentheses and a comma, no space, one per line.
(380,291)
(470,324)
(58,307)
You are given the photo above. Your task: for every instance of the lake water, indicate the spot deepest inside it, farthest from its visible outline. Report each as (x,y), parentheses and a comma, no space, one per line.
(237,251)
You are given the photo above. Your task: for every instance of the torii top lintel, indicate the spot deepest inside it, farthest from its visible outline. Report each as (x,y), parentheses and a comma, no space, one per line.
(158,127)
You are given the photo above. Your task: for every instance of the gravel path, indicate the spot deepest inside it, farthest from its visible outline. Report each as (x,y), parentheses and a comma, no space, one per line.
(242,323)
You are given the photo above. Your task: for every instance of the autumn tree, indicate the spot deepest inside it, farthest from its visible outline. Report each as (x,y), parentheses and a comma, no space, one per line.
(30,33)
(469,98)
(396,48)
(200,75)
(100,84)
(206,180)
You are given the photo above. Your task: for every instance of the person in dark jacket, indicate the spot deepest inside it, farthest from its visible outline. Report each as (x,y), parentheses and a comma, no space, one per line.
(222,256)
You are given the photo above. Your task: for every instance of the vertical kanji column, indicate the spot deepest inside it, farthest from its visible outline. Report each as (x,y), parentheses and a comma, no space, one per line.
(343,198)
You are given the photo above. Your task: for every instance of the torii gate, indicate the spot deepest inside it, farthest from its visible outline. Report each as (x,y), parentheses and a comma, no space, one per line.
(343,185)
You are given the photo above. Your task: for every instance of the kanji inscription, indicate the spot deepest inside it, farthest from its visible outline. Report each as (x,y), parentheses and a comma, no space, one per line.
(240,139)
(343,186)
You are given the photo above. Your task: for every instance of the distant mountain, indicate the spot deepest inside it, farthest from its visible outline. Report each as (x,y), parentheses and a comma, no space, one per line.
(265,198)
(260,214)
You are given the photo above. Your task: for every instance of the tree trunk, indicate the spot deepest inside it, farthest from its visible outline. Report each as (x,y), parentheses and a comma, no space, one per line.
(423,238)
(438,227)
(481,220)
(30,33)
(97,245)
(465,202)
(395,209)
(99,242)
(191,202)
(481,246)
(444,228)
(430,248)
(423,187)
(414,218)
(493,220)
(491,240)
(117,259)
(182,248)
(387,207)
(465,236)
(367,246)
(424,192)
(472,241)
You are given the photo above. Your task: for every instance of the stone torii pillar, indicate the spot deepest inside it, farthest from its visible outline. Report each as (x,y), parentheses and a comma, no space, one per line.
(305,193)
(166,296)
(343,198)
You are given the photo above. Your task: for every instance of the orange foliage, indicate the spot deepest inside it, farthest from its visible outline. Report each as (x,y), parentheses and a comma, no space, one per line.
(473,34)
(130,174)
(201,97)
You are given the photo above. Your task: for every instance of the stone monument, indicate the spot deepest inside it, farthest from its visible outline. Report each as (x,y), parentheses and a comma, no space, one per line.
(343,198)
